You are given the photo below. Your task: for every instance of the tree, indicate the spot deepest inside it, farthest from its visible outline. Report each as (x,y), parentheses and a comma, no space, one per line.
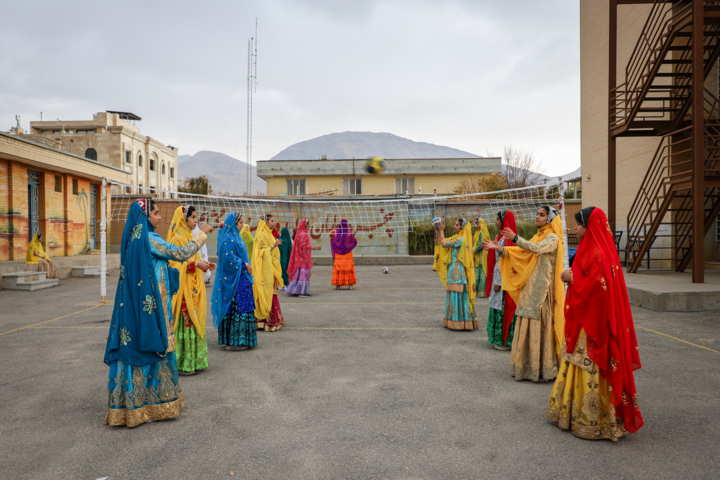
(197,185)
(521,169)
(481,183)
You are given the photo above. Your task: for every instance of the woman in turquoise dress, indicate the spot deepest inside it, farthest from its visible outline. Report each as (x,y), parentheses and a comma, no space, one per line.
(233,304)
(458,277)
(143,380)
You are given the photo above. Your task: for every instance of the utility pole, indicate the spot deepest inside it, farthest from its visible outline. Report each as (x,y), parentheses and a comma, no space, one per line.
(251,85)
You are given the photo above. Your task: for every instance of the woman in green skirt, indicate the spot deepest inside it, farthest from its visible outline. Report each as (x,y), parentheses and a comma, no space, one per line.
(501,319)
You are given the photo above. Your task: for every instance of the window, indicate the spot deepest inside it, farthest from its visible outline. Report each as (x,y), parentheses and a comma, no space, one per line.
(172,172)
(352,186)
(45,131)
(152,164)
(127,190)
(68,131)
(58,183)
(127,156)
(75,186)
(163,169)
(403,185)
(85,131)
(139,159)
(91,154)
(56,131)
(296,187)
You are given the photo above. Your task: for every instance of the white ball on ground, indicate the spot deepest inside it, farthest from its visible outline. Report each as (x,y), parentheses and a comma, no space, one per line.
(385,270)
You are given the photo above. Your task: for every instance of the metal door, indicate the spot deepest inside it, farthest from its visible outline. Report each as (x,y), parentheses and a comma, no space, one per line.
(33,203)
(93,196)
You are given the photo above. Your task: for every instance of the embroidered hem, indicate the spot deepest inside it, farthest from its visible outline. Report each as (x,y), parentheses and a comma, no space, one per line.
(138,416)
(461,325)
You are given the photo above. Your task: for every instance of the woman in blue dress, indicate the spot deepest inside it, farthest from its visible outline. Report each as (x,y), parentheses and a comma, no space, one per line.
(459,277)
(143,380)
(233,305)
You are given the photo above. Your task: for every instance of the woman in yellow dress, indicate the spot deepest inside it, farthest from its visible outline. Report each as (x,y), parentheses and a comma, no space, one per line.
(190,302)
(531,273)
(594,394)
(267,273)
(480,257)
(36,256)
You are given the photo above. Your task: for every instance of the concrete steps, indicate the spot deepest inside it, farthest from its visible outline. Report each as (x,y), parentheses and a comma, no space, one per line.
(29,281)
(85,271)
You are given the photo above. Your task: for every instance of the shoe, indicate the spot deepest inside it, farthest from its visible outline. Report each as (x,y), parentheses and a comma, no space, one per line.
(233,348)
(501,347)
(304,296)
(351,287)
(186,373)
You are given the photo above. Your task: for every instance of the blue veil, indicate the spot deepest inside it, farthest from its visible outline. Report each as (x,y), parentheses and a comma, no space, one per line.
(232,256)
(138,334)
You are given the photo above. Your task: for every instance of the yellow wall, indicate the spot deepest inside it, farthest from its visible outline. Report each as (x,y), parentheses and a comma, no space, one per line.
(371,184)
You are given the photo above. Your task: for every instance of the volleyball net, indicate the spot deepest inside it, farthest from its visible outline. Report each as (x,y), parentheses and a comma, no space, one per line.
(390,225)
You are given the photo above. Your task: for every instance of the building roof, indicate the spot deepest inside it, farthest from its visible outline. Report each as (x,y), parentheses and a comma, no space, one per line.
(125,115)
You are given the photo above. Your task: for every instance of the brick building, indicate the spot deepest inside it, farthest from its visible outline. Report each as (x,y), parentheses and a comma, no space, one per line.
(112,138)
(47,190)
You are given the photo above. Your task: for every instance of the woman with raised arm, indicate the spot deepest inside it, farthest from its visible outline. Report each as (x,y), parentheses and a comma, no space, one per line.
(268,276)
(233,304)
(458,277)
(342,244)
(190,302)
(501,317)
(531,275)
(300,265)
(36,256)
(143,381)
(480,256)
(594,394)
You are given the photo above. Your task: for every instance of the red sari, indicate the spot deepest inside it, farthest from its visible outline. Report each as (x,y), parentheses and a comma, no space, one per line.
(509,304)
(602,351)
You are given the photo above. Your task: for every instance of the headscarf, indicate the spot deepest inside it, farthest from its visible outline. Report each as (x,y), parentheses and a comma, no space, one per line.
(597,301)
(517,265)
(232,257)
(508,221)
(275,233)
(247,237)
(30,256)
(584,215)
(138,334)
(301,256)
(344,240)
(266,268)
(192,285)
(464,256)
(481,258)
(286,247)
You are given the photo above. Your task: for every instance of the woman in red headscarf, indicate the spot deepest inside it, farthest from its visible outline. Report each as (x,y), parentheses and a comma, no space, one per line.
(300,263)
(501,319)
(594,393)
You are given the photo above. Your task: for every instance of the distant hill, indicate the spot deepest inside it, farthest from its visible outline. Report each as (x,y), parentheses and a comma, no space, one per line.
(226,174)
(366,144)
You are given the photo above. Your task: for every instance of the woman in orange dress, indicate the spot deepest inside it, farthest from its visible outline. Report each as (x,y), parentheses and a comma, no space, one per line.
(342,245)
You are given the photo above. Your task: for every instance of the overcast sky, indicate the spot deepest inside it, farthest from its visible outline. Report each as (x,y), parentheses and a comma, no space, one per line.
(469,74)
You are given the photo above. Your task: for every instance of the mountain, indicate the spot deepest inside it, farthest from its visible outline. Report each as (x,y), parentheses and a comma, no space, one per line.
(366,144)
(225,173)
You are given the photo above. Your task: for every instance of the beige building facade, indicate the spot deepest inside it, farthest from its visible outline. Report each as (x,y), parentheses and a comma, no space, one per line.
(349,177)
(113,139)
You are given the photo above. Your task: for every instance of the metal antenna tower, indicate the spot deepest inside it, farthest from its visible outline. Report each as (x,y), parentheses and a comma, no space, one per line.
(251,85)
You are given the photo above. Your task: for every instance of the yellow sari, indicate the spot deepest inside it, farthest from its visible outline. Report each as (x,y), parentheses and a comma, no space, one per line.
(247,238)
(516,266)
(192,285)
(34,245)
(481,233)
(267,270)
(443,258)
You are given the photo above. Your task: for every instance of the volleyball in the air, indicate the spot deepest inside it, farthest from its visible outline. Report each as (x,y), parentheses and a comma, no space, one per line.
(375,165)
(385,270)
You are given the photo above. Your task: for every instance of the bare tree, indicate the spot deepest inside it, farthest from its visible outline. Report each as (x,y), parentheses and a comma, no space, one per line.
(521,169)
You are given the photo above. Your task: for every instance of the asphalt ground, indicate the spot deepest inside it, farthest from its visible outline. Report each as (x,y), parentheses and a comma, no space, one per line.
(359,384)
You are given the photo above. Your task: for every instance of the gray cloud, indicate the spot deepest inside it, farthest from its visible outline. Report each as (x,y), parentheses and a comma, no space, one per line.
(473,75)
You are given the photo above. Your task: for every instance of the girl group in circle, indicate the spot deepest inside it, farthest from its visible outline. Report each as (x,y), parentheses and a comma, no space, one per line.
(584,339)
(162,289)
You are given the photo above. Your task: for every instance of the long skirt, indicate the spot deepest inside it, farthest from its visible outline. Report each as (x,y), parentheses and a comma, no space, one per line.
(343,274)
(581,399)
(139,394)
(480,280)
(300,283)
(533,354)
(191,349)
(48,267)
(237,329)
(495,328)
(275,320)
(457,311)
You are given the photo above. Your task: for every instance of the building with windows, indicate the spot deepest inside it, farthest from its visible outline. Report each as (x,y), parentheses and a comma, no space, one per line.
(53,192)
(112,138)
(349,177)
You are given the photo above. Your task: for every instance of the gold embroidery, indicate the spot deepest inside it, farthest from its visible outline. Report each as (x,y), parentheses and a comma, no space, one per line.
(125,336)
(137,231)
(604,283)
(150,304)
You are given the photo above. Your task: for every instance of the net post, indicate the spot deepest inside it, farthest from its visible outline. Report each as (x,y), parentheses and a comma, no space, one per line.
(103,242)
(561,204)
